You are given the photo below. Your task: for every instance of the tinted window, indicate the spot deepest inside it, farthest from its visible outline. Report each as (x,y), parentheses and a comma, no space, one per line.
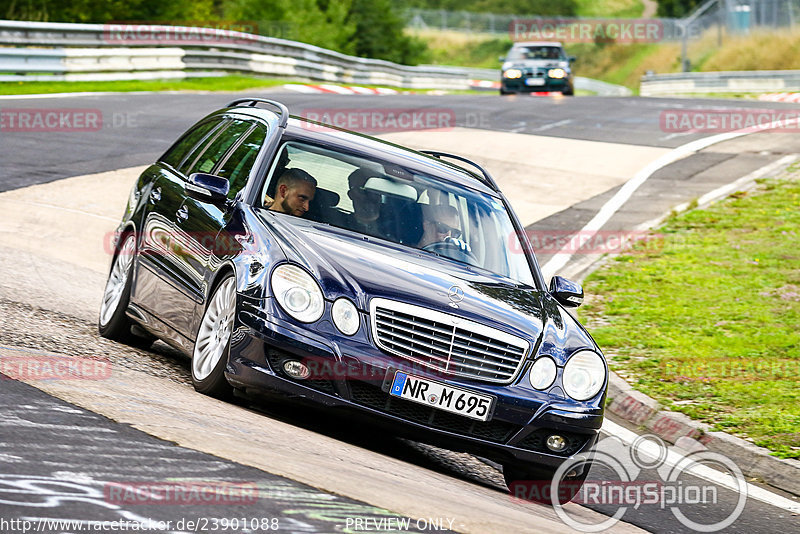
(536,52)
(237,167)
(404,206)
(215,148)
(179,150)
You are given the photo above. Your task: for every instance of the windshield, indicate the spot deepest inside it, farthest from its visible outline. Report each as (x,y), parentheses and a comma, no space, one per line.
(535,52)
(405,206)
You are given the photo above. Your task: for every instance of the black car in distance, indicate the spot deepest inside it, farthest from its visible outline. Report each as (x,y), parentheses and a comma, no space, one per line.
(534,67)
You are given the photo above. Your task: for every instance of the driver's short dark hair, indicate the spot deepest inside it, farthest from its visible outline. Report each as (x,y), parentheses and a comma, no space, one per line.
(292,177)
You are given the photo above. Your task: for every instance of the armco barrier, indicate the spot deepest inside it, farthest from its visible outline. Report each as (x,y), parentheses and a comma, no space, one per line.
(759,81)
(71,52)
(90,52)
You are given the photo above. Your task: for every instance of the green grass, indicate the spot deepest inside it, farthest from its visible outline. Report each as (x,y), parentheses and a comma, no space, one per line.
(224,83)
(705,317)
(610,8)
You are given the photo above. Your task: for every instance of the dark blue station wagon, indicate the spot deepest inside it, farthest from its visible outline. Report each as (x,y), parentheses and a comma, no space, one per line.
(406,292)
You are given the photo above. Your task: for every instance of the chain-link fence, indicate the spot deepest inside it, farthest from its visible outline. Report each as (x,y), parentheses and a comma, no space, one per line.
(698,33)
(715,20)
(460,21)
(734,16)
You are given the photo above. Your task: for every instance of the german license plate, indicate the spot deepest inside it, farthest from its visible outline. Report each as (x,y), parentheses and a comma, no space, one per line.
(534,81)
(441,396)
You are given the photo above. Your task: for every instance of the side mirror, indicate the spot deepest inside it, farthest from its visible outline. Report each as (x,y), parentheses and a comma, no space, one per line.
(501,59)
(566,292)
(572,59)
(208,187)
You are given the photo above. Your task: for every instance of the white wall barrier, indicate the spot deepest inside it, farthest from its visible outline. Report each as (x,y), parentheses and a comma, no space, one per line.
(759,81)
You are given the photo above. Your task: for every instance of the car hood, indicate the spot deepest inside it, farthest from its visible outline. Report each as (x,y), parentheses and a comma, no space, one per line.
(361,268)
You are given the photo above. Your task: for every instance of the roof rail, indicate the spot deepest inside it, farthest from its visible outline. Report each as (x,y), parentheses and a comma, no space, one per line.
(487,178)
(250,101)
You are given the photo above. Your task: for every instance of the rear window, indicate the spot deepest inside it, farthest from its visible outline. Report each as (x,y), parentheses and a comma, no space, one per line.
(178,152)
(216,148)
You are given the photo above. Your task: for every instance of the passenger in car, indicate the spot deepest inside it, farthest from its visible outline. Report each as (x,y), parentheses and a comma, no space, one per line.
(366,204)
(293,193)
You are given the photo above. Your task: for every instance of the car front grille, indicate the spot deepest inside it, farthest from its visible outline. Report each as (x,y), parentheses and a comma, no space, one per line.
(373,397)
(446,343)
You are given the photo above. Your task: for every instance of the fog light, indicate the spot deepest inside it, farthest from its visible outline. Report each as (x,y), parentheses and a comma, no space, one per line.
(297,370)
(556,443)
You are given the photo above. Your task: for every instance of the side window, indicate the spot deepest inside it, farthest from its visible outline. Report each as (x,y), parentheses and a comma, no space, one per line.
(177,153)
(216,148)
(237,167)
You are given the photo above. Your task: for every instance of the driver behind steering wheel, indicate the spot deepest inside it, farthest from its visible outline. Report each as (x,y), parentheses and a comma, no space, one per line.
(440,225)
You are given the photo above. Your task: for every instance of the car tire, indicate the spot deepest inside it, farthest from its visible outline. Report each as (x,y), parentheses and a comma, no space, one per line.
(113,323)
(213,340)
(532,483)
(569,91)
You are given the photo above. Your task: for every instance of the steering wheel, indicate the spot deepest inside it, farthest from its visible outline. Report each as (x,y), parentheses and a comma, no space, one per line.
(451,249)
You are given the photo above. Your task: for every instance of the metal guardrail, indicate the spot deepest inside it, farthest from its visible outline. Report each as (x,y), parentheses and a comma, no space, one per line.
(601,88)
(41,51)
(98,51)
(720,82)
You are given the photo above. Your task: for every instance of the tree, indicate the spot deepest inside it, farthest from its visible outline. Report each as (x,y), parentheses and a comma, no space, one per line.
(319,22)
(677,8)
(379,33)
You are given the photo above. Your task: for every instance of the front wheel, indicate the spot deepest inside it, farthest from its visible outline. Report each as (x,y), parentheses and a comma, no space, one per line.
(212,346)
(535,483)
(113,323)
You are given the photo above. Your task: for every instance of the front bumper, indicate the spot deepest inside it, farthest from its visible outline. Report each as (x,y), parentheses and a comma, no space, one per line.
(354,377)
(520,85)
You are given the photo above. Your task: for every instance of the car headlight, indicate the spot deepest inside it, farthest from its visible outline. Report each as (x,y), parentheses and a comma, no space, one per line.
(345,316)
(584,375)
(297,293)
(556,73)
(512,73)
(543,373)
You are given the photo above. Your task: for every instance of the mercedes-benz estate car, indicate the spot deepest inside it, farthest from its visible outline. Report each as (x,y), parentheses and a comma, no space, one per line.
(288,258)
(540,66)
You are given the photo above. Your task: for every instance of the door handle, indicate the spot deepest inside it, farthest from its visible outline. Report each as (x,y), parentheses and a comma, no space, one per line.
(155,195)
(183,213)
